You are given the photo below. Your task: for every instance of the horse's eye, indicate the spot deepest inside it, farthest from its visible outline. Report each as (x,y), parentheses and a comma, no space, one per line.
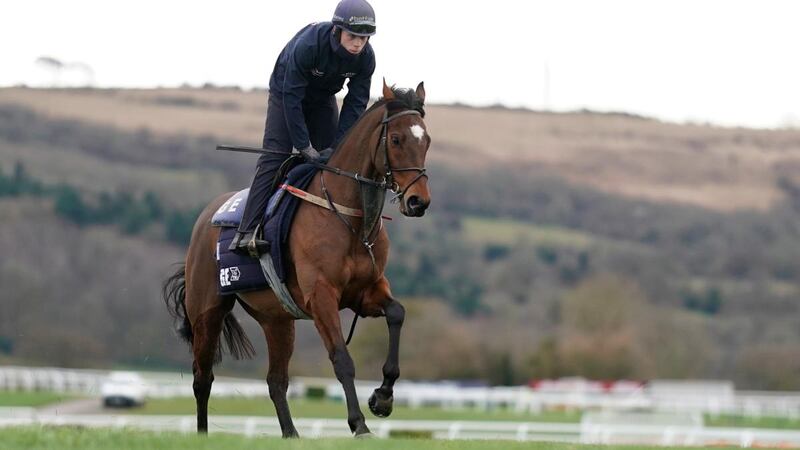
(395,140)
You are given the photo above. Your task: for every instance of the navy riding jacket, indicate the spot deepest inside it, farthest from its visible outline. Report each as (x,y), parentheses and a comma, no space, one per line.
(313,67)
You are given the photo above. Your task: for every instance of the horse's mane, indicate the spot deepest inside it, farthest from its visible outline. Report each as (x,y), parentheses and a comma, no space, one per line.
(404,99)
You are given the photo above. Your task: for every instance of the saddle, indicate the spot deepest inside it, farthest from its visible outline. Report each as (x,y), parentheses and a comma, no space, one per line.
(241,273)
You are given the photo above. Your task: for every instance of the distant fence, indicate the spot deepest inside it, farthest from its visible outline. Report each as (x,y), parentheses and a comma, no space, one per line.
(714,398)
(525,431)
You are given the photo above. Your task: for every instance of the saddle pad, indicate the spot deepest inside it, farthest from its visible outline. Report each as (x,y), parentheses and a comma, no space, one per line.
(237,271)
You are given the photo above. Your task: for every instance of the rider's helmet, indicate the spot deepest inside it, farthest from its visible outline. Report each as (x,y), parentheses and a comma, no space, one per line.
(355,16)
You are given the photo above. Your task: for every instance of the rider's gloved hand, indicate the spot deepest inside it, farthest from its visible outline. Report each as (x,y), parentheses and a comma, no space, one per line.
(325,155)
(310,154)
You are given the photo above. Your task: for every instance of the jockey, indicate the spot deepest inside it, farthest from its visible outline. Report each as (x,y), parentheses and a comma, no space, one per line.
(301,110)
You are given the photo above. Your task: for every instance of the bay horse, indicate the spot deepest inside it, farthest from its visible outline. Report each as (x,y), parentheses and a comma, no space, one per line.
(330,267)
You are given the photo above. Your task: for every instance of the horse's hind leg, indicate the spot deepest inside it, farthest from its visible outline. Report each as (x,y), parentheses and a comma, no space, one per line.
(207,327)
(280,343)
(325,303)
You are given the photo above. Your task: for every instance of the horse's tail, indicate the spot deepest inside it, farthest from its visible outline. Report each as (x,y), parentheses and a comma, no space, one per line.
(174,292)
(239,345)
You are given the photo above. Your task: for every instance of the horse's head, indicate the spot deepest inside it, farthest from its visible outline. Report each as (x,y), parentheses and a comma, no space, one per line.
(405,147)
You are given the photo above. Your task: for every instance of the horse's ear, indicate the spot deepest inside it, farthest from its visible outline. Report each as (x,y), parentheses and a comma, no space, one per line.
(421,91)
(387,91)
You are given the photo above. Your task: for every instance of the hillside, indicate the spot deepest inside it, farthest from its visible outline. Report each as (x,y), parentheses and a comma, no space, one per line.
(603,245)
(718,168)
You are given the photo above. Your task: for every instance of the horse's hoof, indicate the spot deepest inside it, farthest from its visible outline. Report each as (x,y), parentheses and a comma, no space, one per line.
(380,404)
(361,430)
(365,435)
(291,435)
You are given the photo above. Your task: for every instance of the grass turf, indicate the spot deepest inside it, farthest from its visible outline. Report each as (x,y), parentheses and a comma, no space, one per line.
(68,438)
(776,423)
(32,399)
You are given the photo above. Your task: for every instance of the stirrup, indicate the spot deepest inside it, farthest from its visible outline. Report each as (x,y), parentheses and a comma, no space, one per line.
(256,247)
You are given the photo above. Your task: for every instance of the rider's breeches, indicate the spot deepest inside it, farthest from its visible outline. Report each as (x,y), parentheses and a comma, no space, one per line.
(260,189)
(322,118)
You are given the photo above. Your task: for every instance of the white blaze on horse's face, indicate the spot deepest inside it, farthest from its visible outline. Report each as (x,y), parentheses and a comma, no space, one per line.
(418,132)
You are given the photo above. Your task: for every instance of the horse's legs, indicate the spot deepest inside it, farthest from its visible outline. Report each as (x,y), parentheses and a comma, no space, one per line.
(380,402)
(280,342)
(206,329)
(325,303)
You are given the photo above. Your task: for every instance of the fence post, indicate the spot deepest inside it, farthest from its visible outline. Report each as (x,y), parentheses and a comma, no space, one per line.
(453,430)
(384,429)
(522,432)
(316,429)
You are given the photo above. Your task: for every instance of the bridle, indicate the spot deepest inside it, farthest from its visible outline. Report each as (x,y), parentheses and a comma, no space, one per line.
(388,182)
(388,174)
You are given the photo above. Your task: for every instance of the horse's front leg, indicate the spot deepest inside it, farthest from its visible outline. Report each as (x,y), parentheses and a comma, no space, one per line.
(324,302)
(380,402)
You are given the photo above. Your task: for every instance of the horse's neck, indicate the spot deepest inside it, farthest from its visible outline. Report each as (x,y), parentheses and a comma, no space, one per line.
(354,155)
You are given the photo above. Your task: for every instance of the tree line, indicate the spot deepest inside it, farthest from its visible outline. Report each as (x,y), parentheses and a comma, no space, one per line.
(130,212)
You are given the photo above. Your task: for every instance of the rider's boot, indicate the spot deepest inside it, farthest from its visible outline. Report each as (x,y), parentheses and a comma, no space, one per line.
(248,243)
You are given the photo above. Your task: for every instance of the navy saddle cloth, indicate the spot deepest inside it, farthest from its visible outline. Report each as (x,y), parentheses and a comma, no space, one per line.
(239,273)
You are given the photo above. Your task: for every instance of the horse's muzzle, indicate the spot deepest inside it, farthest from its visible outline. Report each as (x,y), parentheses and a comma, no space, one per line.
(415,206)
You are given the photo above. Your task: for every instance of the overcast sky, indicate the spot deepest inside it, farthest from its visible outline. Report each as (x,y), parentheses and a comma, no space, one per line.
(728,62)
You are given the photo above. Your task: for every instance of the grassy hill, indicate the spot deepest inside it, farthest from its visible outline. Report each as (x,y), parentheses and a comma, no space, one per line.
(718,168)
(605,245)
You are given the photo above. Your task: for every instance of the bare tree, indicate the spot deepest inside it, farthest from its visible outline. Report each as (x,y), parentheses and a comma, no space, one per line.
(53,65)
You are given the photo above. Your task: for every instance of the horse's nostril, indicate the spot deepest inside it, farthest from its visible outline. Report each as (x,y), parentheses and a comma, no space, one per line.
(413,202)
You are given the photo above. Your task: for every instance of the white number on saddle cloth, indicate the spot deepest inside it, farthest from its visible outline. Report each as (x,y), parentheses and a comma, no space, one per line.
(229,205)
(235,204)
(223,277)
(229,275)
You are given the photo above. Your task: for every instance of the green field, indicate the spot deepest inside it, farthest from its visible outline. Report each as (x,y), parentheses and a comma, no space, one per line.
(511,232)
(776,423)
(68,438)
(336,410)
(33,399)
